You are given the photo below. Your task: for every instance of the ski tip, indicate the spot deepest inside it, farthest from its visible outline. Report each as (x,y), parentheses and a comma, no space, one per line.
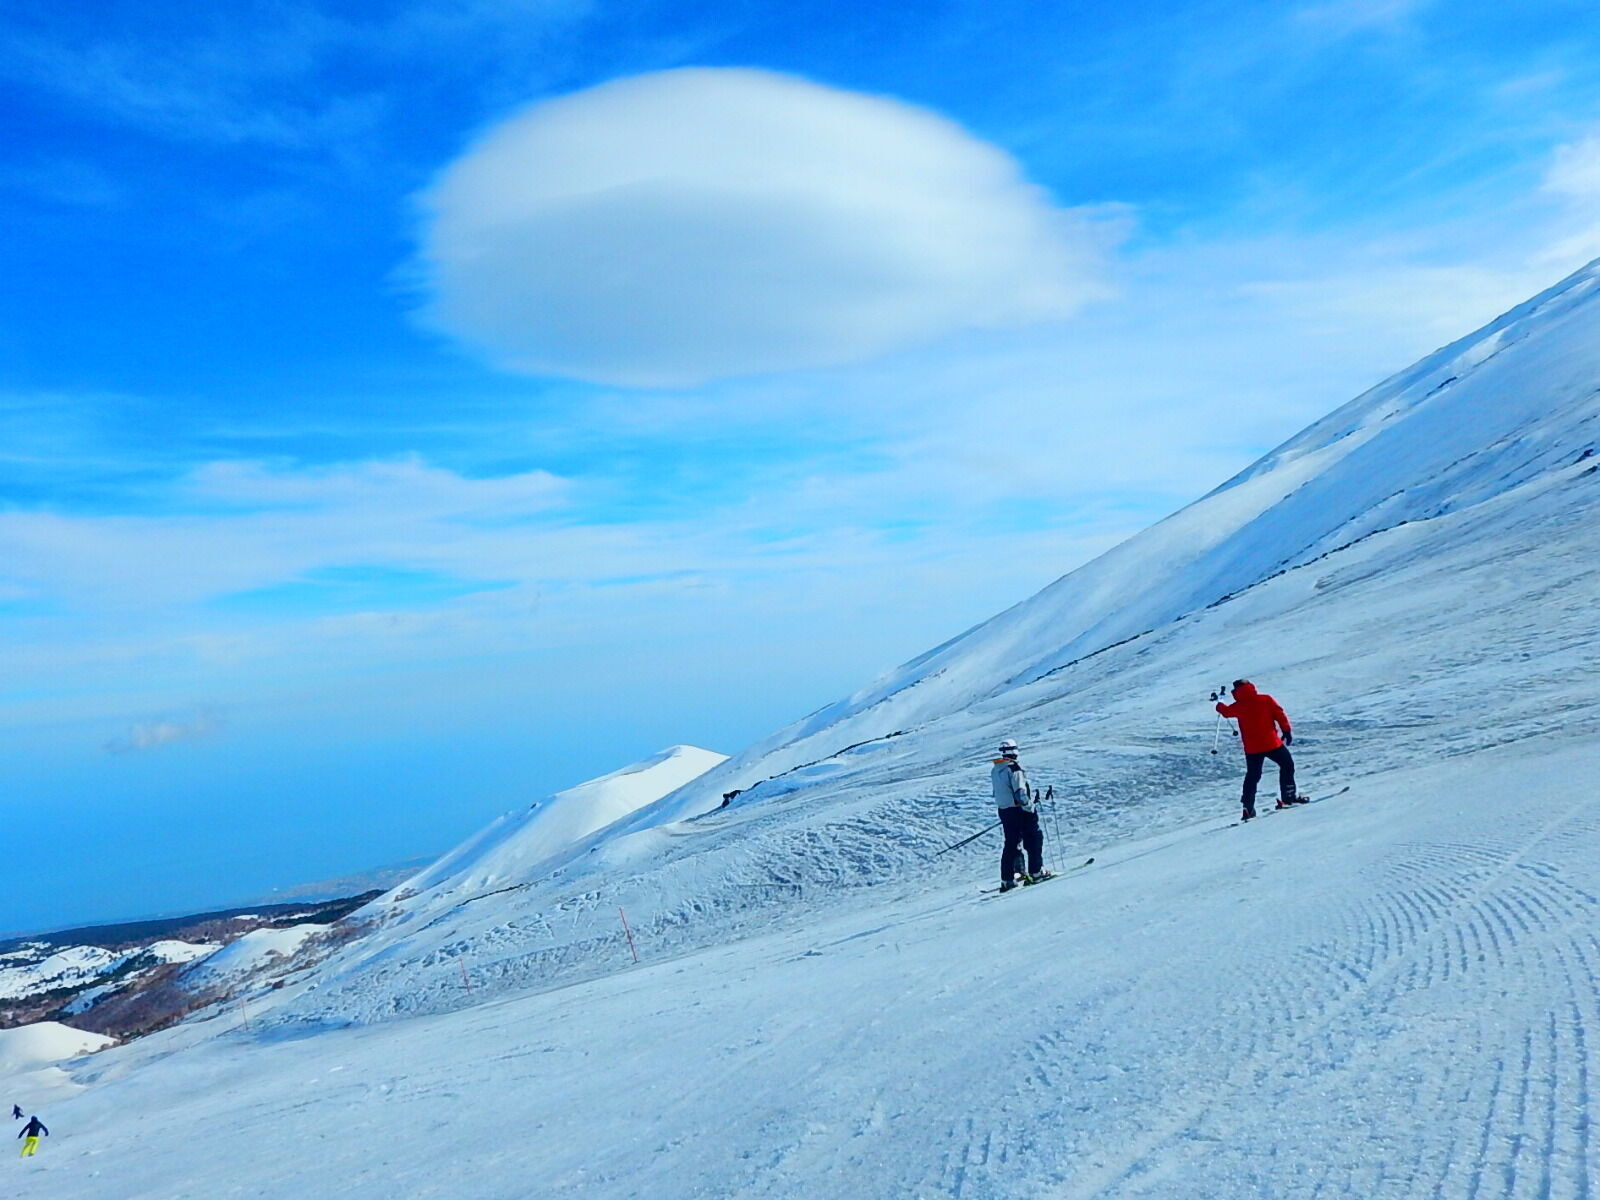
(1088,861)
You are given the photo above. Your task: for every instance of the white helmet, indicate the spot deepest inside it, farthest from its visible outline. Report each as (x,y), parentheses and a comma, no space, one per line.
(1008,746)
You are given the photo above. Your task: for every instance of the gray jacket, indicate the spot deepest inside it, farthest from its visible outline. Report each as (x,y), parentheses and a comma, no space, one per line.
(1010,783)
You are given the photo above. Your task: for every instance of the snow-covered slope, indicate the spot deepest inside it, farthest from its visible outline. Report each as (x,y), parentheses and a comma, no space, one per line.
(1391,994)
(512,848)
(256,950)
(1390,569)
(1390,999)
(1472,421)
(44,1044)
(30,1061)
(37,967)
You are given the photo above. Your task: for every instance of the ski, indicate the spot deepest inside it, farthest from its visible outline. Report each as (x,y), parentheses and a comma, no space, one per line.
(994,891)
(1268,812)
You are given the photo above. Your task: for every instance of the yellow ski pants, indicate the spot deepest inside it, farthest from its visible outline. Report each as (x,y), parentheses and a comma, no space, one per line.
(30,1147)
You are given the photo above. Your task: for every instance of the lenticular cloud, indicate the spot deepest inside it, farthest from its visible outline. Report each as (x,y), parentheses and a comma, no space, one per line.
(682,226)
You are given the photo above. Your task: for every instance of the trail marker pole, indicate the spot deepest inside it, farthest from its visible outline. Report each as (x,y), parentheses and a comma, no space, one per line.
(629,932)
(465,982)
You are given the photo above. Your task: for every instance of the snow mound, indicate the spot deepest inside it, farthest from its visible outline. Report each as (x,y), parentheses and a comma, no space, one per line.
(180,952)
(45,1043)
(511,849)
(255,951)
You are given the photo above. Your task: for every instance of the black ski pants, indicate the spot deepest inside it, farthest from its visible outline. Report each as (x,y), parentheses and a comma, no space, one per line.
(1022,832)
(1252,774)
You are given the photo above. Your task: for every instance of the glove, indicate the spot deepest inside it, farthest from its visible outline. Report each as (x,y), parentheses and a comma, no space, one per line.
(1288,738)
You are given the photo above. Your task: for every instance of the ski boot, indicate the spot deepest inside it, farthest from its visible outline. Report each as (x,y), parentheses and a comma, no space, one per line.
(1249,814)
(1007,884)
(1029,880)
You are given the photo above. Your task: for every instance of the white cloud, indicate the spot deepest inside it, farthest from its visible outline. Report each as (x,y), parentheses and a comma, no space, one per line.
(254,72)
(1573,179)
(150,735)
(239,526)
(686,225)
(1575,170)
(387,486)
(1351,16)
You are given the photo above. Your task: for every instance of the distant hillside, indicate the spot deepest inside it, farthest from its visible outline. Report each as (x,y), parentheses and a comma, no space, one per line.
(131,933)
(121,979)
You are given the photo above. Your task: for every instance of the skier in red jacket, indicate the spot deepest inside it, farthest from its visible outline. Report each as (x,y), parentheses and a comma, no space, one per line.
(1260,718)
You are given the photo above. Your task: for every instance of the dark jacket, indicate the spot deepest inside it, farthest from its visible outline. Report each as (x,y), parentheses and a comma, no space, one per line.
(33,1128)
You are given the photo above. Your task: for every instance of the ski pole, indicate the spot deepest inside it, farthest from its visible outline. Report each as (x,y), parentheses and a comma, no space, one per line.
(964,841)
(1055,822)
(1216,733)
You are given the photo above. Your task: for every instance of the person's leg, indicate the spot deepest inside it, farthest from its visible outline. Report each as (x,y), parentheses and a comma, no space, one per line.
(29,1147)
(1252,776)
(1011,839)
(1285,761)
(1033,842)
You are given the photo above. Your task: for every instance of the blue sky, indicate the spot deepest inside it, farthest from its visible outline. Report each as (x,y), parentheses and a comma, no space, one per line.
(409,409)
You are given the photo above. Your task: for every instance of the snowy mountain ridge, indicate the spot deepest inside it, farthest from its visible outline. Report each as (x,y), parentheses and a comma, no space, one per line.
(514,846)
(1452,430)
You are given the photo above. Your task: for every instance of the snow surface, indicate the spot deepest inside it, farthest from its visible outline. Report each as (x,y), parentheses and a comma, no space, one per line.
(45,1043)
(71,967)
(30,1055)
(254,951)
(170,950)
(512,849)
(38,968)
(1389,994)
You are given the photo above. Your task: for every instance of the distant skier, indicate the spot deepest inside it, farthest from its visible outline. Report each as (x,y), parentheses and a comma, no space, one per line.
(1019,819)
(1260,718)
(16,1112)
(30,1136)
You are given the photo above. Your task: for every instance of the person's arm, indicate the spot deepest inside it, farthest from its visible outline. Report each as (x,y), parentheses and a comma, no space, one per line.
(1228,710)
(1282,718)
(1020,791)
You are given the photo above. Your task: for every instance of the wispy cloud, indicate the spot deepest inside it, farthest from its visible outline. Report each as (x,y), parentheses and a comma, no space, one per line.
(1349,16)
(234,527)
(1575,171)
(257,73)
(152,735)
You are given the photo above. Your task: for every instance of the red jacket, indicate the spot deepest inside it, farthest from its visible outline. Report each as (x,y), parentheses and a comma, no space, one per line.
(1259,717)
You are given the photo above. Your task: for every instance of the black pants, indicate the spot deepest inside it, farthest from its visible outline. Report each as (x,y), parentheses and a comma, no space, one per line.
(1252,774)
(1022,832)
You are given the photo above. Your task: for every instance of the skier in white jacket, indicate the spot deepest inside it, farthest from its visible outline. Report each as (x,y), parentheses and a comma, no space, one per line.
(1019,820)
